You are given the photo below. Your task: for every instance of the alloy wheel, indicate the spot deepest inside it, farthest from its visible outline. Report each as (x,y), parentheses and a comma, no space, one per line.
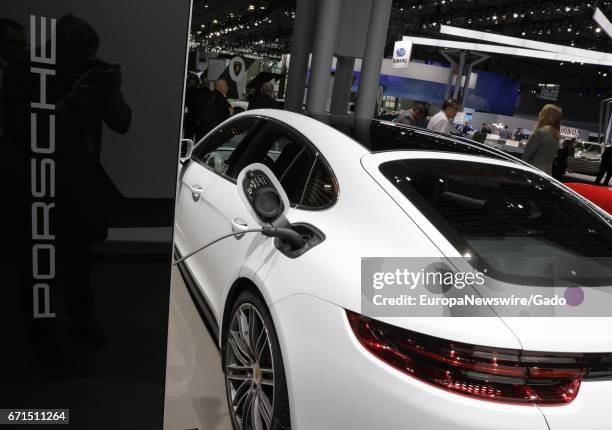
(249,370)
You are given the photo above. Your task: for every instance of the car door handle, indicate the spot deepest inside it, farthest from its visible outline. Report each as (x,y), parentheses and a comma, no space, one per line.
(238,224)
(196,191)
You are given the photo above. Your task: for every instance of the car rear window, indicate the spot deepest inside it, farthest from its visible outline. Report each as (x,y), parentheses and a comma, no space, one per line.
(485,209)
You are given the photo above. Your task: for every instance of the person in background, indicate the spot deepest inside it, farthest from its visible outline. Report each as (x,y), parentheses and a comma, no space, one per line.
(605,168)
(485,129)
(479,136)
(413,116)
(560,163)
(193,80)
(264,100)
(543,144)
(250,95)
(204,84)
(86,92)
(505,133)
(212,108)
(442,120)
(12,43)
(518,133)
(192,93)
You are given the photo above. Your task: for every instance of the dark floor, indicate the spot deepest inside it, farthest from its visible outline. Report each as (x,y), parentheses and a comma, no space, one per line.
(117,385)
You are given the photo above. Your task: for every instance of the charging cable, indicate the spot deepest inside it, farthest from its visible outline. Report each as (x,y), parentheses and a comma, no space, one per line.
(292,237)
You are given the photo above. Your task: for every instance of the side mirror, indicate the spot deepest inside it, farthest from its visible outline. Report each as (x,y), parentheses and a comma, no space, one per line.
(186,150)
(263,195)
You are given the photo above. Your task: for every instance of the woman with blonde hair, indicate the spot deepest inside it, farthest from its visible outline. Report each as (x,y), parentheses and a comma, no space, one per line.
(543,144)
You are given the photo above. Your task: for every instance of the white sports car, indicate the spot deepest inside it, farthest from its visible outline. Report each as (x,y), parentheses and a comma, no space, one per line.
(298,352)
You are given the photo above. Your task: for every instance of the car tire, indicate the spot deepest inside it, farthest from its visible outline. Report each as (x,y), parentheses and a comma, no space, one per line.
(255,382)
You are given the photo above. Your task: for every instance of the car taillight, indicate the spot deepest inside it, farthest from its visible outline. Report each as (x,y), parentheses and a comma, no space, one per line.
(494,374)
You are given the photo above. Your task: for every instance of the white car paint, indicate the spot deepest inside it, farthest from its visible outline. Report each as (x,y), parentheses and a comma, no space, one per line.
(334,383)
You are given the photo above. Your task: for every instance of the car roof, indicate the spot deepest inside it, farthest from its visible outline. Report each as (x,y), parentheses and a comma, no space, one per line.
(381,136)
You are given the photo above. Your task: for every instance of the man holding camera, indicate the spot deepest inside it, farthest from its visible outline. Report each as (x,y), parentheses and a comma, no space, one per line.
(85,92)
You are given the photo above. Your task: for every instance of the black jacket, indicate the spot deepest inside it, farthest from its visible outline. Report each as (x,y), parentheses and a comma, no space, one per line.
(263,101)
(212,109)
(85,193)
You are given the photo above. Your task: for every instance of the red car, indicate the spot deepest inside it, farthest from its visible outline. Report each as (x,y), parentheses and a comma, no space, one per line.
(601,196)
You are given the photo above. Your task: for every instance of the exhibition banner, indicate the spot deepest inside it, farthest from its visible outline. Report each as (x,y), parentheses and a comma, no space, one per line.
(402,50)
(90,128)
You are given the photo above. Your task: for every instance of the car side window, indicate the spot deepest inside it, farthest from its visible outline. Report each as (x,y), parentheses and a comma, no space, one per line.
(220,151)
(321,189)
(304,175)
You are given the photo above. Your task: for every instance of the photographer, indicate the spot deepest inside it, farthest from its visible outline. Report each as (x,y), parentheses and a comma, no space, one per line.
(86,93)
(12,44)
(89,94)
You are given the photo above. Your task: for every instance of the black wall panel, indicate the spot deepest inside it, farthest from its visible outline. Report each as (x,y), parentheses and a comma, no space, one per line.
(89,131)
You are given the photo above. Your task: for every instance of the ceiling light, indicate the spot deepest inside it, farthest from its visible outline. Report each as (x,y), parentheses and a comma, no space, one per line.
(251,7)
(604,23)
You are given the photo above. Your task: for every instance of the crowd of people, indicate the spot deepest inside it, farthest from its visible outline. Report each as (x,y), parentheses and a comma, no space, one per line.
(443,122)
(544,148)
(207,107)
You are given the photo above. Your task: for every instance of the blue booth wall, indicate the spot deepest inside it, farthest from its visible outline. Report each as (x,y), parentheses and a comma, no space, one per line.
(494,93)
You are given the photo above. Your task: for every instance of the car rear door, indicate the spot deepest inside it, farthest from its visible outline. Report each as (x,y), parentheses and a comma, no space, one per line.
(195,180)
(198,218)
(294,161)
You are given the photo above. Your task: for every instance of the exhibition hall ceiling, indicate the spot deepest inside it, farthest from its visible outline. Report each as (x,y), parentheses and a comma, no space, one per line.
(265,27)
